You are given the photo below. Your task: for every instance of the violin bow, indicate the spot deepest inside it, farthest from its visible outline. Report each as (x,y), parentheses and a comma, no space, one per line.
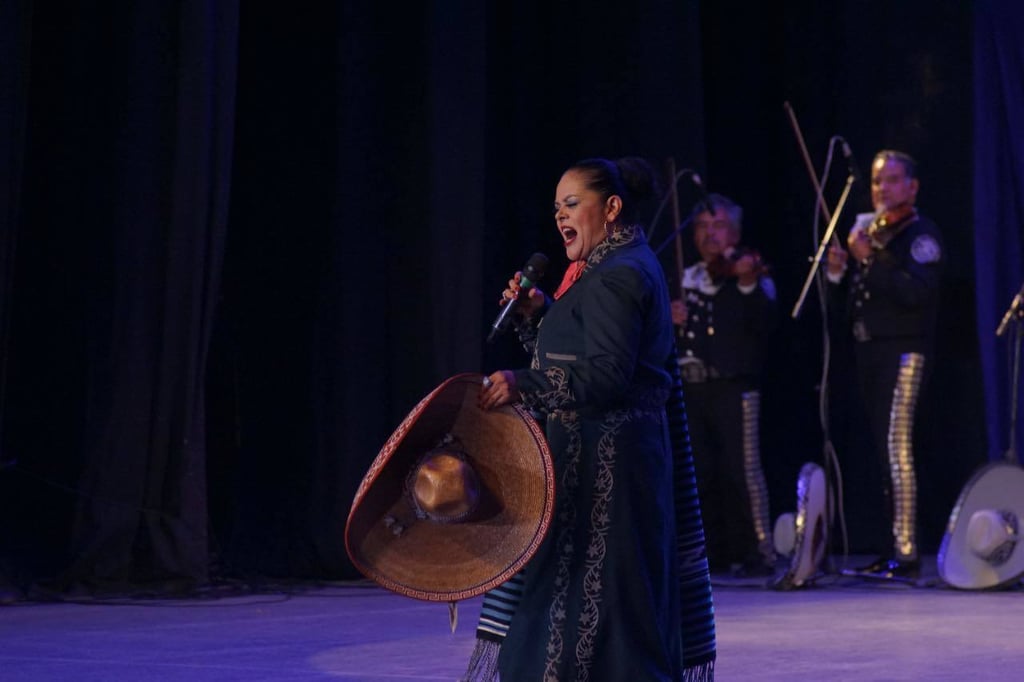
(810,167)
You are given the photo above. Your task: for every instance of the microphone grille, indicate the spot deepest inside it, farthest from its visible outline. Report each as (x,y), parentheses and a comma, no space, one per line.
(535,267)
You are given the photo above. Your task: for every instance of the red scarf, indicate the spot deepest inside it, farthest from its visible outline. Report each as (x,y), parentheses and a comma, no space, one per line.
(572,273)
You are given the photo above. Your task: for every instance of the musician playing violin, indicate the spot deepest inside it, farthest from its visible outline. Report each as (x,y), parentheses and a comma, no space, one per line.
(892,273)
(722,325)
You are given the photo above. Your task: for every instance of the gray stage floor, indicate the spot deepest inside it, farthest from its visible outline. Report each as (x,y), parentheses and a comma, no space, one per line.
(841,629)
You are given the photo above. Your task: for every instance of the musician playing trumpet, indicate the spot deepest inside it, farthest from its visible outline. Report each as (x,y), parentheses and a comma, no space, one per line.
(892,270)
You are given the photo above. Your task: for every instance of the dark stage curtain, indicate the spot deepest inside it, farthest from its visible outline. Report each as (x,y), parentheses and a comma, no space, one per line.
(390,177)
(126,195)
(251,238)
(14,22)
(999,202)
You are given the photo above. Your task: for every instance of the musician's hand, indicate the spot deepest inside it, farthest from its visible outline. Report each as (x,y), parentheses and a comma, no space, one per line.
(860,244)
(679,313)
(528,304)
(837,257)
(498,389)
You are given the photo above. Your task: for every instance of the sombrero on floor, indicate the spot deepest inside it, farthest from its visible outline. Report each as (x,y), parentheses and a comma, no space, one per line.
(804,535)
(458,499)
(982,545)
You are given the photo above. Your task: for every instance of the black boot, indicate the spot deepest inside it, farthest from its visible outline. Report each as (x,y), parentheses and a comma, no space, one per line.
(876,566)
(906,569)
(889,569)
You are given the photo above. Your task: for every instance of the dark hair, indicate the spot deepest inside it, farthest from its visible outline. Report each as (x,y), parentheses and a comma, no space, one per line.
(631,178)
(904,159)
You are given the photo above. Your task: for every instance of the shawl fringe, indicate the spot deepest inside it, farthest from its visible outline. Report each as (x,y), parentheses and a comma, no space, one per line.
(483,663)
(705,672)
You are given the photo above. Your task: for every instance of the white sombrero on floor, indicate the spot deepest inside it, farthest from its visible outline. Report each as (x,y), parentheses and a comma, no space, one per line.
(982,547)
(803,535)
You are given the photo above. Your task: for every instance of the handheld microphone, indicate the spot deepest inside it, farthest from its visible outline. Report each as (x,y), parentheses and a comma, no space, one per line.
(851,163)
(702,192)
(533,271)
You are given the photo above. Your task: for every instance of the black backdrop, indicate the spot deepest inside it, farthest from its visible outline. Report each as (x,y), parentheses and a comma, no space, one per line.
(239,243)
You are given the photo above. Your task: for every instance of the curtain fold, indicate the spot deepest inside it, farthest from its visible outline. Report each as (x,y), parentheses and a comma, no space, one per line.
(998,201)
(249,239)
(137,225)
(15,19)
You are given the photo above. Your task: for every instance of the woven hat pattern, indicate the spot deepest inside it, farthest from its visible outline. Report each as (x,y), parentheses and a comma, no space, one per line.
(434,561)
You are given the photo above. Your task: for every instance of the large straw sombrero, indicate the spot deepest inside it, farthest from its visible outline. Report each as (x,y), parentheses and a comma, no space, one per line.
(803,536)
(457,501)
(982,546)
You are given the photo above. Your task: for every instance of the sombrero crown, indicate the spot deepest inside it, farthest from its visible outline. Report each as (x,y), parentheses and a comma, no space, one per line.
(982,548)
(457,500)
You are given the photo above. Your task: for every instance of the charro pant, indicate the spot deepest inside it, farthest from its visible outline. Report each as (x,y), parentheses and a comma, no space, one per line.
(891,373)
(724,430)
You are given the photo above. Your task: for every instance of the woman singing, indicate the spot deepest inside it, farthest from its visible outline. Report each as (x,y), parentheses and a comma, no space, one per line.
(601,599)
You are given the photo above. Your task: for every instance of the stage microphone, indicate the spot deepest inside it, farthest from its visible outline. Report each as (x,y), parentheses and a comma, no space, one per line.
(533,271)
(1011,311)
(851,164)
(702,192)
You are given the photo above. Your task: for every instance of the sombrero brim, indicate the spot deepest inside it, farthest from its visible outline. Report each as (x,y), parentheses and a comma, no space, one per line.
(810,533)
(1000,486)
(454,561)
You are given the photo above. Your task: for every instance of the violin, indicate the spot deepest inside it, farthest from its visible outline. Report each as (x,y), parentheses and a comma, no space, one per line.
(724,266)
(890,223)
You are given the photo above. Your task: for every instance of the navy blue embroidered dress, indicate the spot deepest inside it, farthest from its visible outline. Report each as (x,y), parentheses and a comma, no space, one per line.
(601,596)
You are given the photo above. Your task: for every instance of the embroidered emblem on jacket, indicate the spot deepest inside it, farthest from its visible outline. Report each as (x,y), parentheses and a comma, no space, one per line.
(926,249)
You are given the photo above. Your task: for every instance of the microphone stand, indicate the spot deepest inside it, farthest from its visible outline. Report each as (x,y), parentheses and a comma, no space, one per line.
(1011,448)
(833,514)
(668,240)
(670,194)
(1013,310)
(825,240)
(833,473)
(1013,313)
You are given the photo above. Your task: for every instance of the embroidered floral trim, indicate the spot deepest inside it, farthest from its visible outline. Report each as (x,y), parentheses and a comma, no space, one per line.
(597,550)
(620,237)
(563,543)
(559,394)
(600,521)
